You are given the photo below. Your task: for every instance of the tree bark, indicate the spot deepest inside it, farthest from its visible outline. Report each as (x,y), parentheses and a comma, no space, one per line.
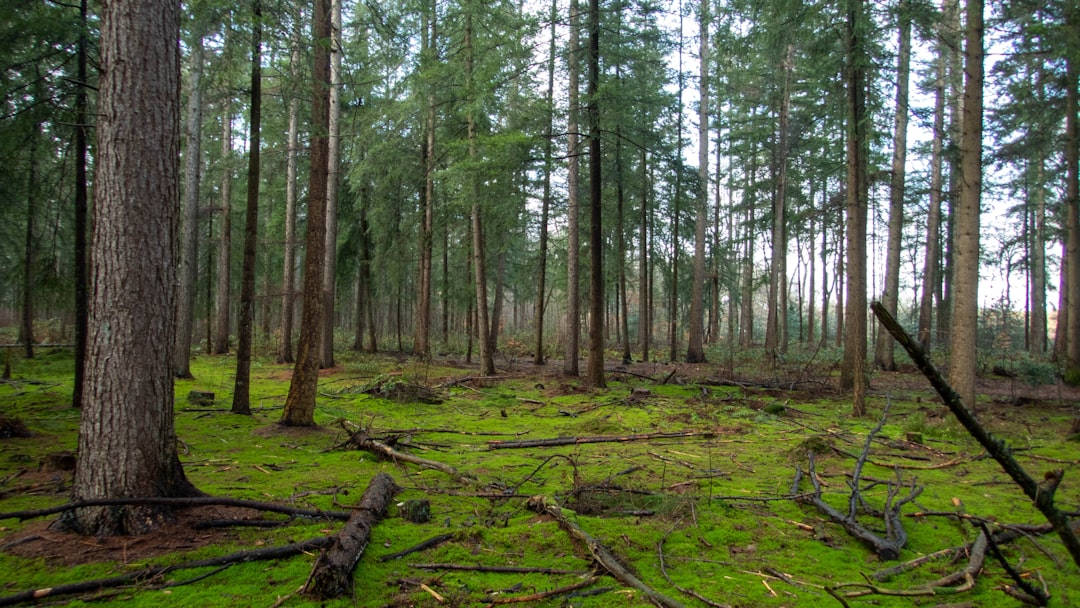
(573,229)
(545,203)
(931,258)
(127,441)
(185,297)
(430,57)
(288,278)
(883,351)
(1072,205)
(776,322)
(644,278)
(241,403)
(332,575)
(965,283)
(81,209)
(1037,332)
(596,236)
(333,177)
(26,327)
(300,402)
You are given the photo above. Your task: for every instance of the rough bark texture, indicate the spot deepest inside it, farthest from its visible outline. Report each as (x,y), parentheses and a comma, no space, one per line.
(241,403)
(573,231)
(288,278)
(185,297)
(965,282)
(883,351)
(1072,213)
(127,442)
(332,575)
(300,403)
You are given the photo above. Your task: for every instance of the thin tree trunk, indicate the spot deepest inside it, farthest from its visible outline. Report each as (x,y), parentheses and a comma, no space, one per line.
(26,327)
(422,333)
(746,296)
(883,351)
(695,349)
(300,402)
(185,297)
(288,277)
(224,262)
(596,235)
(776,322)
(1037,333)
(620,237)
(1072,207)
(965,285)
(573,229)
(333,177)
(81,210)
(931,260)
(644,280)
(676,242)
(545,203)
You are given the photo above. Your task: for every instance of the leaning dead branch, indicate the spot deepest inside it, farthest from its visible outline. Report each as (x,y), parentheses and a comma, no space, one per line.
(1041,493)
(557,441)
(888,547)
(600,553)
(332,574)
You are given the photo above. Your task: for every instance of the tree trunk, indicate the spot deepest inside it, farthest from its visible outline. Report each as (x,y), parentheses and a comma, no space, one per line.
(185,297)
(573,229)
(26,327)
(545,203)
(883,351)
(644,280)
(222,297)
(776,322)
(965,284)
(852,370)
(1037,332)
(1072,208)
(81,208)
(676,243)
(746,295)
(695,349)
(596,235)
(127,441)
(288,278)
(422,334)
(241,403)
(300,403)
(333,177)
(931,259)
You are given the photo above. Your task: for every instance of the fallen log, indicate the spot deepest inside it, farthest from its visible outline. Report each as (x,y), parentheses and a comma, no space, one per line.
(332,575)
(557,441)
(427,544)
(600,553)
(1040,493)
(146,574)
(361,441)
(192,501)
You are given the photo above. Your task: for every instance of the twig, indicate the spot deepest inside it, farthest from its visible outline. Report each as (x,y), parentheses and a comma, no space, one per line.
(497,569)
(546,594)
(557,441)
(1041,598)
(427,544)
(194,501)
(690,592)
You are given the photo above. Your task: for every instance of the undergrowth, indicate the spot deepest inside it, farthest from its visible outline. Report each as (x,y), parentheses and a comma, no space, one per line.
(696,496)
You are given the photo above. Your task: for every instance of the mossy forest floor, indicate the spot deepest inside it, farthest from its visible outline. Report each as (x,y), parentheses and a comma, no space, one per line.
(700,497)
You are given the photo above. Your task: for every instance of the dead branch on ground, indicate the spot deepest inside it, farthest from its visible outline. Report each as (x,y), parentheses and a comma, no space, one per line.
(545,594)
(193,501)
(427,544)
(332,575)
(361,441)
(600,553)
(557,441)
(498,569)
(1041,493)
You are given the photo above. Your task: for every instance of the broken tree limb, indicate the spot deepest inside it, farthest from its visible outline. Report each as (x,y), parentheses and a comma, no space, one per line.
(361,441)
(600,553)
(557,441)
(542,595)
(427,544)
(158,571)
(193,501)
(332,575)
(498,569)
(1041,494)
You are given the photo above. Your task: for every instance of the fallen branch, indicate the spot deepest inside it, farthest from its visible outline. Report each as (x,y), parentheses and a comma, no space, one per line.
(1041,494)
(427,544)
(155,572)
(690,592)
(1040,597)
(498,569)
(194,501)
(557,441)
(957,582)
(546,594)
(600,553)
(332,575)
(361,441)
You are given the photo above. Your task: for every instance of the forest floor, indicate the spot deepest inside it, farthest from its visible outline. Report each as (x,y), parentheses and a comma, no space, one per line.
(686,473)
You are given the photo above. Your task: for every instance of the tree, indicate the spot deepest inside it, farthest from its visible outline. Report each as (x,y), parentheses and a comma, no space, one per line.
(241,392)
(81,209)
(288,279)
(1072,198)
(883,351)
(185,297)
(545,201)
(429,54)
(596,236)
(695,350)
(127,441)
(573,230)
(300,402)
(333,176)
(965,284)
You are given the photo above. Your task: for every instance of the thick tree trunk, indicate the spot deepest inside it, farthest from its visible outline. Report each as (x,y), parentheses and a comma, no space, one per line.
(288,278)
(185,297)
(573,229)
(127,442)
(695,348)
(300,402)
(1072,209)
(965,284)
(241,403)
(333,179)
(883,351)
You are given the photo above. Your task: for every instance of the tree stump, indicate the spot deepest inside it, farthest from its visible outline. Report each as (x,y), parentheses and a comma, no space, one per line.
(200,398)
(416,511)
(332,575)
